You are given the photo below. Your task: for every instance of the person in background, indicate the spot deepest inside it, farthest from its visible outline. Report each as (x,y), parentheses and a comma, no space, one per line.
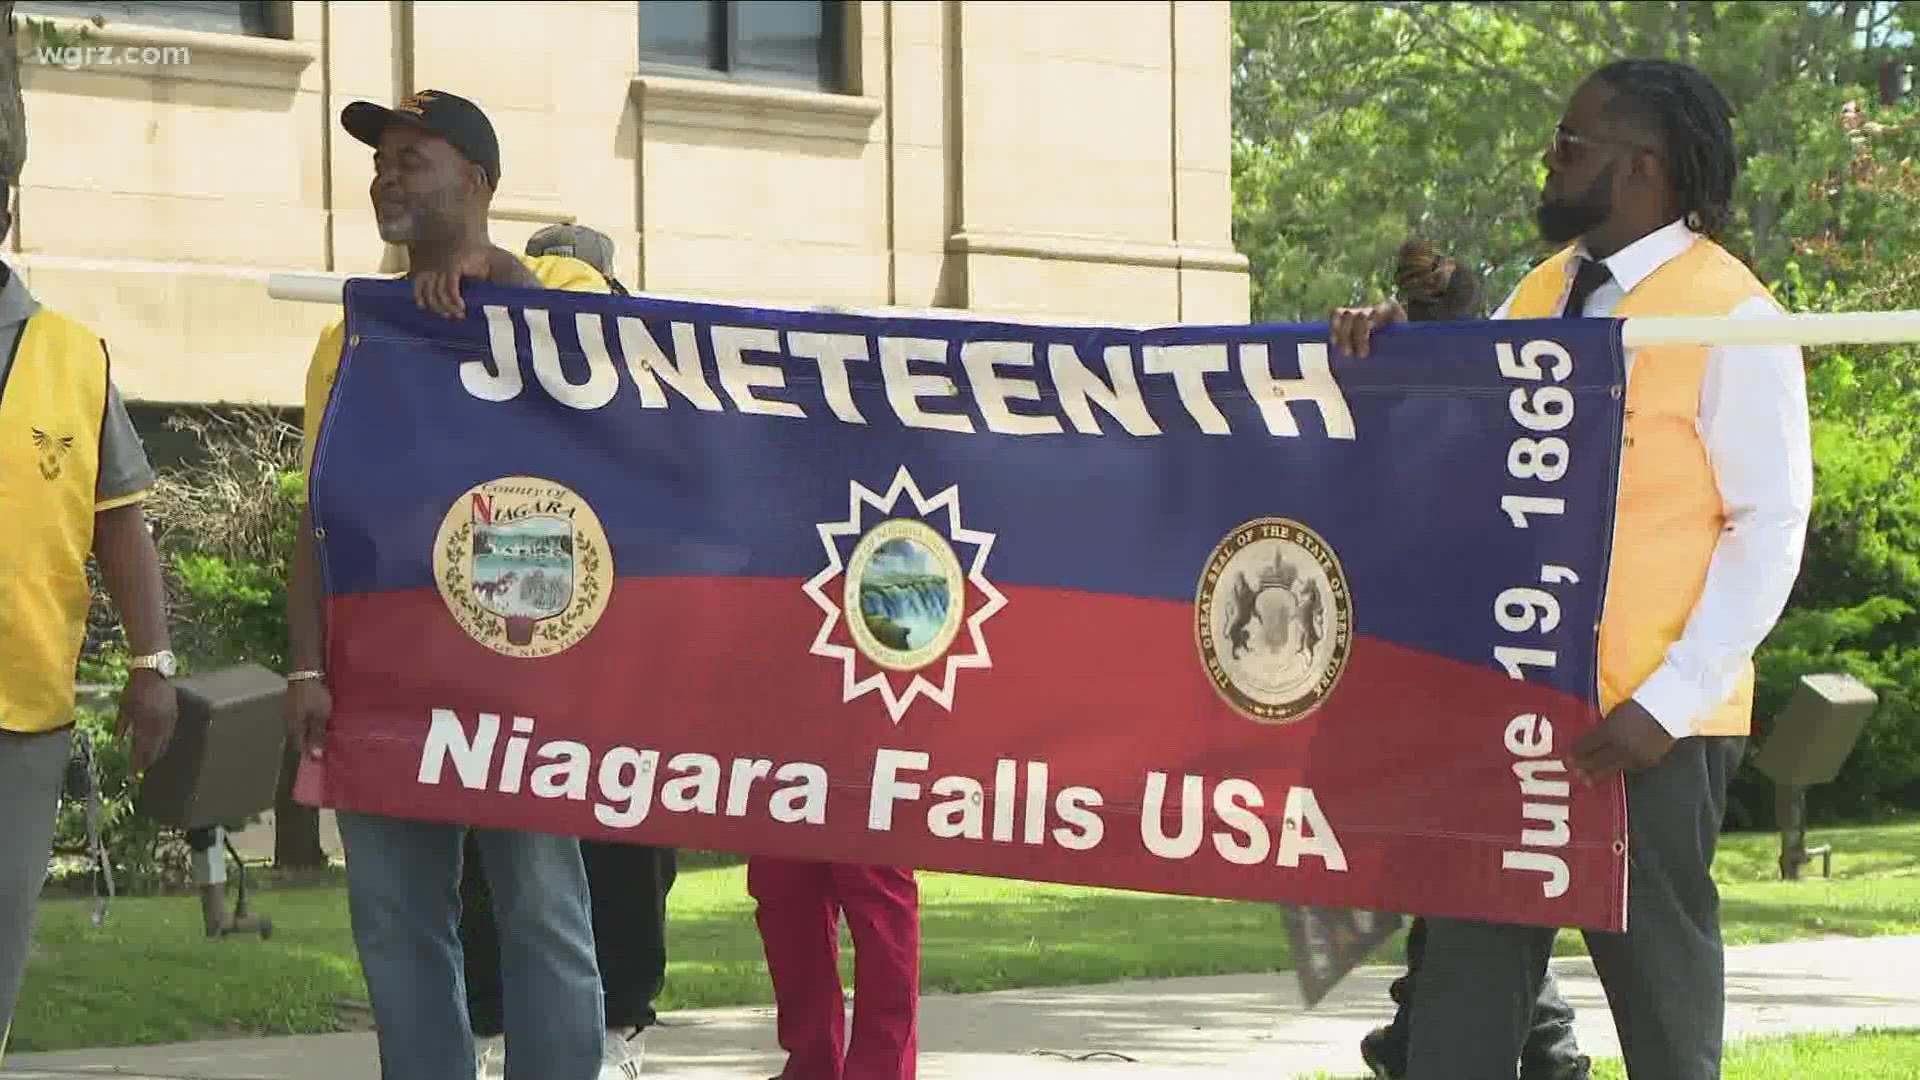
(1435,287)
(74,476)
(436,167)
(799,906)
(1440,288)
(628,883)
(590,246)
(1716,488)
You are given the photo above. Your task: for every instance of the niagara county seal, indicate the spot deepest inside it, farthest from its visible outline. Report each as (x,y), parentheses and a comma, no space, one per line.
(905,595)
(1273,619)
(524,566)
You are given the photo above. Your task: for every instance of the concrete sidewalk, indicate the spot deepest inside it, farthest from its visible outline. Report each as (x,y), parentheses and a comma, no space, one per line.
(1250,1026)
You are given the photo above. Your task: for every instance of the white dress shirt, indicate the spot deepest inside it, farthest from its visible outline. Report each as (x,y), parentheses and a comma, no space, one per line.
(1753,420)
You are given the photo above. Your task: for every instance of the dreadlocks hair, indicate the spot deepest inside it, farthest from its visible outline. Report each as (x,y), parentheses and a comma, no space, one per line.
(1694,123)
(1435,287)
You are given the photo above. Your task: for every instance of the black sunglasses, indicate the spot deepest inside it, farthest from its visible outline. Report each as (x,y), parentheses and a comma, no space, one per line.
(1566,145)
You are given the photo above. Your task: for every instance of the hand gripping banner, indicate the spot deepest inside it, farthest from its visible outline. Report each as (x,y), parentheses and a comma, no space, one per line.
(1195,610)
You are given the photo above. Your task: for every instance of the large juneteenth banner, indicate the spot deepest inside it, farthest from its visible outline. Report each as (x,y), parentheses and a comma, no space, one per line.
(1196,610)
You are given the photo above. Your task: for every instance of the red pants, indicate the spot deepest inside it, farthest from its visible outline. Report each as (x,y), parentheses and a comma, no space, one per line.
(800,904)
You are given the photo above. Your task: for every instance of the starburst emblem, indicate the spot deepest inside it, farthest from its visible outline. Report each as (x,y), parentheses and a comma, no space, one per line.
(901,607)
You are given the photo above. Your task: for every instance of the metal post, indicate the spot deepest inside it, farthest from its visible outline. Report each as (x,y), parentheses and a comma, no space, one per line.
(1790,809)
(1808,743)
(1790,813)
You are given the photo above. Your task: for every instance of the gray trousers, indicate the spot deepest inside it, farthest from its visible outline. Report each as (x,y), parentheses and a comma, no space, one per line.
(1665,978)
(32,770)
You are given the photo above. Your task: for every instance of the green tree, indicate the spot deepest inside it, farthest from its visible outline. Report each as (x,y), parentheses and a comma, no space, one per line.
(227,526)
(225,520)
(1356,124)
(1857,605)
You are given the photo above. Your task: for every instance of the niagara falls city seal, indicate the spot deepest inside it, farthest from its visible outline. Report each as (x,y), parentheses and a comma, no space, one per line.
(905,595)
(1273,620)
(524,566)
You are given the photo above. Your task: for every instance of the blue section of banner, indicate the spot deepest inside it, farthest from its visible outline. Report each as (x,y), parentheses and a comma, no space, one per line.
(1401,461)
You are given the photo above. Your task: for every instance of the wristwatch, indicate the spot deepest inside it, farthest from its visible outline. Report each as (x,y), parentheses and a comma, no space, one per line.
(161,663)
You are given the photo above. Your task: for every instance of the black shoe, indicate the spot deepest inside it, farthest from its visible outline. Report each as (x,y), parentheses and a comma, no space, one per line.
(1580,1068)
(1373,1051)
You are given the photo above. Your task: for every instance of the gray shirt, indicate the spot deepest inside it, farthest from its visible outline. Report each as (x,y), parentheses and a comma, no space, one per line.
(124,470)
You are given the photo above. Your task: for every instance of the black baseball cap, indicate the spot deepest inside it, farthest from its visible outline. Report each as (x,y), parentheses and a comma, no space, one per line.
(435,112)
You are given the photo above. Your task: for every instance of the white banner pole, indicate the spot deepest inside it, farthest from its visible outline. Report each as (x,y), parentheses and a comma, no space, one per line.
(308,288)
(1845,328)
(331,289)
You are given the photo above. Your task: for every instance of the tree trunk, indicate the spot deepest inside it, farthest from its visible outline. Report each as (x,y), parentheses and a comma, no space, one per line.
(13,111)
(296,827)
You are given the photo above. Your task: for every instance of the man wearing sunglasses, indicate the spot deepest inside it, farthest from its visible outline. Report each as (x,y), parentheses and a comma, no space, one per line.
(1716,487)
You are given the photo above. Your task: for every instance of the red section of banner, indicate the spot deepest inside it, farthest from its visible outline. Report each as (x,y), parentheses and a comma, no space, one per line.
(1407,737)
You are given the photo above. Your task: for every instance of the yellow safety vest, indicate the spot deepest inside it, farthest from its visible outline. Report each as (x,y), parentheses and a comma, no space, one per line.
(1670,514)
(52,408)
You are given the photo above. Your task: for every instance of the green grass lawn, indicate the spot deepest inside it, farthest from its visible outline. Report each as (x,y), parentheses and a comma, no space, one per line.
(1866,1055)
(150,976)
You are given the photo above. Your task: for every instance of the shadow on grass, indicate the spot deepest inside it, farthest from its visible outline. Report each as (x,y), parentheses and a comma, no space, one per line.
(149,975)
(1859,851)
(1031,936)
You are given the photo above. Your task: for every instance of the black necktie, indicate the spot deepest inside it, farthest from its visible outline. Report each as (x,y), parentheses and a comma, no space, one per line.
(1590,277)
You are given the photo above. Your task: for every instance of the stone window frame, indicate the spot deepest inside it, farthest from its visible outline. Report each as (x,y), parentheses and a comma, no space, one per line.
(268,57)
(239,18)
(837,61)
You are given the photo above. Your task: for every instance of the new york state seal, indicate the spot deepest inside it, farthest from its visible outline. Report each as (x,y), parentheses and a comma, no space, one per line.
(524,566)
(1273,620)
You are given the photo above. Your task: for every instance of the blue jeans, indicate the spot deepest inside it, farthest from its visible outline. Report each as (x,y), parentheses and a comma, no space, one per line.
(403,892)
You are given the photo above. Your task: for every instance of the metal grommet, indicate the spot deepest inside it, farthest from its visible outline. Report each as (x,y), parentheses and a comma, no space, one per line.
(1619,847)
(319,534)
(356,342)
(1617,390)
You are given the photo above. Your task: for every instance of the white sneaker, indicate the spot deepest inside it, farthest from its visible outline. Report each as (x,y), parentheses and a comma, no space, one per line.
(624,1054)
(492,1064)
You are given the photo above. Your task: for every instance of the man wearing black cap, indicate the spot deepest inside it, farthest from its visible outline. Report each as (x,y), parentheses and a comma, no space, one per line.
(436,166)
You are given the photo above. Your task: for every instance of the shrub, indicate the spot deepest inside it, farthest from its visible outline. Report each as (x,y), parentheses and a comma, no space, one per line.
(224,522)
(146,857)
(225,525)
(1856,607)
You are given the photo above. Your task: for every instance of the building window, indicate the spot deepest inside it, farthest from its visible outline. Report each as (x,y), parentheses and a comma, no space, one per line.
(788,42)
(250,17)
